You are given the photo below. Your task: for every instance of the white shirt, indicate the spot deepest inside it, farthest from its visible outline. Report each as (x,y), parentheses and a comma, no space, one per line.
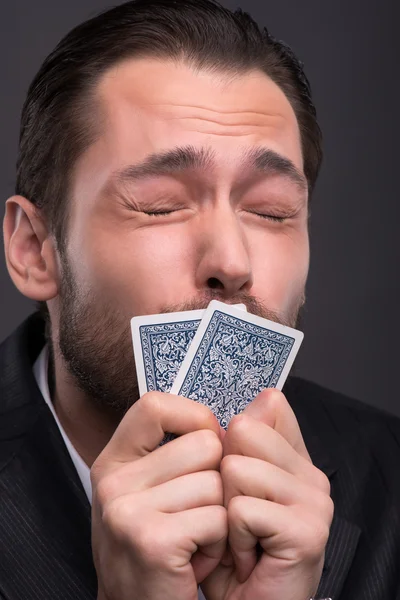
(40,370)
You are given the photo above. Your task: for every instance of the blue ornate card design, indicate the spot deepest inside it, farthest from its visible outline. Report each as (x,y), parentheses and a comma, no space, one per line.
(164,346)
(235,361)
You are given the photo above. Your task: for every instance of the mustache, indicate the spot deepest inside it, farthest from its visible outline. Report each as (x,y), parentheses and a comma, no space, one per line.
(253,305)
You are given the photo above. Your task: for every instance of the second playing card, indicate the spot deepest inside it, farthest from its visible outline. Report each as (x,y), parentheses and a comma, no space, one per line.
(233,357)
(160,343)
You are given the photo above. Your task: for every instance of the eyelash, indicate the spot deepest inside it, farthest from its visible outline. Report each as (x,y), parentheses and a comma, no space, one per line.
(159,213)
(164,213)
(273,218)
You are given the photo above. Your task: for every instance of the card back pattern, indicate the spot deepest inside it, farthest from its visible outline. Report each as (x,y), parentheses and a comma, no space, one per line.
(234,362)
(164,346)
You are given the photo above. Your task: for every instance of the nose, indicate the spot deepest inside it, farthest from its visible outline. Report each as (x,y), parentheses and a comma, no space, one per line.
(224,261)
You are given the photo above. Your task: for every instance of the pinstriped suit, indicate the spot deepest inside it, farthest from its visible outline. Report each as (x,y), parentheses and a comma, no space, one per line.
(45,551)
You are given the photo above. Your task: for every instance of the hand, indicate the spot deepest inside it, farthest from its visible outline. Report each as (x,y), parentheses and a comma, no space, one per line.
(158,521)
(276,497)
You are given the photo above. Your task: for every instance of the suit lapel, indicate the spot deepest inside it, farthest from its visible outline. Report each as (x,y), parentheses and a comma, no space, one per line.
(45,526)
(344,535)
(340,550)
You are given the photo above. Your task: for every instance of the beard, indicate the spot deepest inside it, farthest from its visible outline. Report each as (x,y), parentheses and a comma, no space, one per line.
(95,341)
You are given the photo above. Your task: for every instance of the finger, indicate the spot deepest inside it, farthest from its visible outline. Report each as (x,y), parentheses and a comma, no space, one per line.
(168,541)
(244,476)
(154,414)
(207,527)
(249,437)
(272,408)
(285,533)
(192,453)
(185,493)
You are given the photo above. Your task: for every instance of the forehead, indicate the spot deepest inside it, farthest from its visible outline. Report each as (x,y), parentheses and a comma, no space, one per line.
(149,102)
(150,106)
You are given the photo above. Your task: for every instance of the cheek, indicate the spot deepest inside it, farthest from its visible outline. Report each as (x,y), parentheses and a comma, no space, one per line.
(280,269)
(141,270)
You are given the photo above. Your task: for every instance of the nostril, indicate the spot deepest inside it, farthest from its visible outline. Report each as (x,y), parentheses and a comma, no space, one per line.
(215,284)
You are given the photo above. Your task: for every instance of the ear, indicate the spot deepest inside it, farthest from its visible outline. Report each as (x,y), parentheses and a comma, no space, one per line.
(29,249)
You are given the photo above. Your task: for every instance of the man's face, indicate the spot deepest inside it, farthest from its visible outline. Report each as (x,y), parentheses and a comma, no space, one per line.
(194,190)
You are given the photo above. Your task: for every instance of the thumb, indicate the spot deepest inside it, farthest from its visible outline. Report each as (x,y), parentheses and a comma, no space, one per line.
(272,408)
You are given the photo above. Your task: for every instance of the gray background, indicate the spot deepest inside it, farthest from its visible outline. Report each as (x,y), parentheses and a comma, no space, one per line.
(351,52)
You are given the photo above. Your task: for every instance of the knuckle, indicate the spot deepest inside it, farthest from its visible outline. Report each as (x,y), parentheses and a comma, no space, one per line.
(231,466)
(275,403)
(100,468)
(118,518)
(203,412)
(214,481)
(221,515)
(323,505)
(211,445)
(236,510)
(106,489)
(328,508)
(321,481)
(150,404)
(142,533)
(276,396)
(239,425)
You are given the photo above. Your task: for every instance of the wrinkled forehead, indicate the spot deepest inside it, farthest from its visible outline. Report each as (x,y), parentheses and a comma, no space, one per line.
(152,106)
(158,98)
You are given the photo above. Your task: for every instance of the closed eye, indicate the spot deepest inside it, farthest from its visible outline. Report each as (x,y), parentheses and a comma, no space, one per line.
(159,213)
(270,217)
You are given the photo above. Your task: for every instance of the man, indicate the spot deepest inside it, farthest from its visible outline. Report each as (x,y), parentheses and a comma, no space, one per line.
(167,156)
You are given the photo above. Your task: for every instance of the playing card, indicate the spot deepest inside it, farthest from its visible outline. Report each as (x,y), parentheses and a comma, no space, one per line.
(233,357)
(160,343)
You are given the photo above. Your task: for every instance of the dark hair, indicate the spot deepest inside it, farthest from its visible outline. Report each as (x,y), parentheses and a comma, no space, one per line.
(57,122)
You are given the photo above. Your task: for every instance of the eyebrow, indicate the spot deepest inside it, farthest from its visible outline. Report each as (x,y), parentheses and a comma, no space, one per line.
(185,158)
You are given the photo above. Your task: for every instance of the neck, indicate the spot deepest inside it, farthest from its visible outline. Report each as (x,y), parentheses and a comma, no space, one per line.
(87,426)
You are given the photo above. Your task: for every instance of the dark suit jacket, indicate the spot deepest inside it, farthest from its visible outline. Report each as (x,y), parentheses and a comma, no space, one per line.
(45,551)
